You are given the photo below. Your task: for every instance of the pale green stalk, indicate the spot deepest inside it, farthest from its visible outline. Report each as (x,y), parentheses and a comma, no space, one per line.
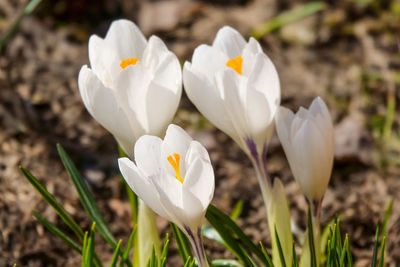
(278,213)
(148,236)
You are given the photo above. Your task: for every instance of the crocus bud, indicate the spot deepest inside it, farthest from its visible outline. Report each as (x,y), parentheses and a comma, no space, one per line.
(133,86)
(235,85)
(174,177)
(308,141)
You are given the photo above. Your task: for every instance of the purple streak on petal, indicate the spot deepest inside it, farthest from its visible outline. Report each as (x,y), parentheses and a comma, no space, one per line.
(252,147)
(197,246)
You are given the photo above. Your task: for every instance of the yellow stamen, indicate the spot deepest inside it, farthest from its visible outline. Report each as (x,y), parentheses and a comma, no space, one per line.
(236,64)
(175,165)
(129,61)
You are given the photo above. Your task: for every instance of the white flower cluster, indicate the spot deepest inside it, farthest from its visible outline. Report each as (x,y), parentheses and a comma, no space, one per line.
(133,88)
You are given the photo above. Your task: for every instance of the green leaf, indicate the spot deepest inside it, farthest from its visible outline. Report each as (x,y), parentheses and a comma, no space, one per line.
(232,226)
(89,250)
(189,262)
(84,249)
(382,253)
(212,234)
(56,231)
(287,17)
(278,243)
(164,252)
(231,243)
(49,198)
(116,254)
(182,243)
(295,260)
(153,261)
(344,250)
(267,256)
(237,210)
(125,254)
(87,200)
(225,263)
(86,197)
(375,251)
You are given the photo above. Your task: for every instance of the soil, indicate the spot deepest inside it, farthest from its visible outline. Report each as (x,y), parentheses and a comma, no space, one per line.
(348,54)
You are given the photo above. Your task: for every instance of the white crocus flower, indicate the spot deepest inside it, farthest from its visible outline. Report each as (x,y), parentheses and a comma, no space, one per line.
(133,86)
(308,140)
(235,85)
(174,177)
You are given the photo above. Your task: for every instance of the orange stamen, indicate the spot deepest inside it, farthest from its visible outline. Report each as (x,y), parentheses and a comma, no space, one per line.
(129,61)
(175,165)
(236,64)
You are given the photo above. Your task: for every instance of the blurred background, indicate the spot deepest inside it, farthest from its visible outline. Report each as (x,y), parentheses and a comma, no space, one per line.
(346,51)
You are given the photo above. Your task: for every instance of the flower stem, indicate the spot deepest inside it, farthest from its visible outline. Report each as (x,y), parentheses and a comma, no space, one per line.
(196,242)
(305,260)
(277,208)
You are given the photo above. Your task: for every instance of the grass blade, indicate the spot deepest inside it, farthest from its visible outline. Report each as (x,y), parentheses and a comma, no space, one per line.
(225,263)
(86,197)
(237,210)
(10,33)
(382,253)
(89,252)
(278,243)
(56,231)
(226,235)
(116,254)
(125,254)
(287,17)
(164,252)
(295,261)
(344,250)
(230,224)
(49,198)
(267,256)
(182,243)
(375,251)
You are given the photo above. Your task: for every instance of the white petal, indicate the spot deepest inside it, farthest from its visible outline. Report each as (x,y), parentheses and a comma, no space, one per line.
(176,141)
(320,112)
(169,74)
(264,78)
(154,53)
(311,160)
(103,60)
(195,151)
(233,88)
(147,155)
(206,98)
(229,41)
(142,186)
(102,104)
(161,106)
(132,86)
(283,121)
(249,54)
(126,39)
(199,181)
(208,60)
(259,117)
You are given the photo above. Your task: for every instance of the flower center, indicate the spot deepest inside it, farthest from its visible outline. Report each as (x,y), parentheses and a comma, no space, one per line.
(129,61)
(175,165)
(236,64)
